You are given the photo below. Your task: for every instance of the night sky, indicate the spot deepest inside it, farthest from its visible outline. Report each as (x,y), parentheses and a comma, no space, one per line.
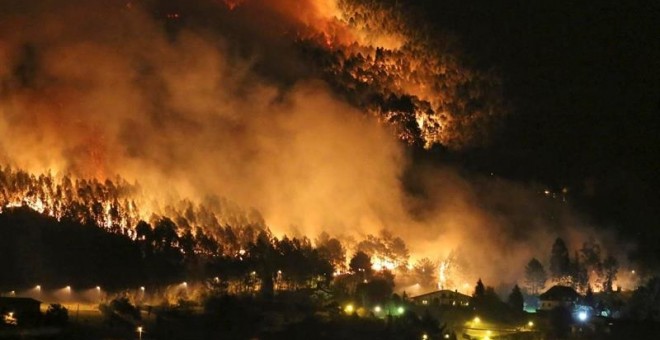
(583,82)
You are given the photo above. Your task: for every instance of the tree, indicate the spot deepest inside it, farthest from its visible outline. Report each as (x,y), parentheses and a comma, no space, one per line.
(361,263)
(590,255)
(580,277)
(559,260)
(589,299)
(610,270)
(479,291)
(516,300)
(375,291)
(424,271)
(645,302)
(56,315)
(332,250)
(535,276)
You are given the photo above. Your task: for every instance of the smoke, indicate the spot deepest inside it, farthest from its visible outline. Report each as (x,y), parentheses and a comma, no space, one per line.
(103,91)
(220,106)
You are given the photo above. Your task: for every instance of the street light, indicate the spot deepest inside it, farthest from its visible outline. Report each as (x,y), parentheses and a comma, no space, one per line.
(377,309)
(530,324)
(348,309)
(582,316)
(140,330)
(400,310)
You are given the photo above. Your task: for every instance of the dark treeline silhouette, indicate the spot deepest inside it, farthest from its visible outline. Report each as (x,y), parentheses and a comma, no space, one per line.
(39,249)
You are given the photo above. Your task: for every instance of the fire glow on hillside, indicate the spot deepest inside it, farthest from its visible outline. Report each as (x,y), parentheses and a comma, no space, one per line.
(295,108)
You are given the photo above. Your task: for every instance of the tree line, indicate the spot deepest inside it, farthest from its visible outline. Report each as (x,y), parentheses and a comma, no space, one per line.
(588,268)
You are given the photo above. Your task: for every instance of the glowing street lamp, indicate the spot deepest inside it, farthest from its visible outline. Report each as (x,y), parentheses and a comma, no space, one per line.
(140,330)
(476,320)
(400,310)
(530,324)
(142,288)
(68,289)
(377,309)
(37,288)
(349,309)
(98,288)
(582,316)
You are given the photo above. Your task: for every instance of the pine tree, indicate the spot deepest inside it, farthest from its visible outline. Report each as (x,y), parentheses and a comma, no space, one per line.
(516,300)
(559,261)
(479,291)
(535,276)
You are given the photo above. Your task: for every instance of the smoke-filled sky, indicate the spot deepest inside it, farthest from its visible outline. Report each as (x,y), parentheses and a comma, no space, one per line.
(211,98)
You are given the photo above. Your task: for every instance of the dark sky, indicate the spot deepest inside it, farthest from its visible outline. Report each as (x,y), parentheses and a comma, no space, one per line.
(584,84)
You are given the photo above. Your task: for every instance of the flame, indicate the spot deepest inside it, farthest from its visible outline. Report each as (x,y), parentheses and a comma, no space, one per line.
(380,264)
(370,43)
(442,277)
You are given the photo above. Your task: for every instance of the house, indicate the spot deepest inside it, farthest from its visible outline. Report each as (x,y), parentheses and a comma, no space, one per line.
(558,296)
(443,297)
(20,310)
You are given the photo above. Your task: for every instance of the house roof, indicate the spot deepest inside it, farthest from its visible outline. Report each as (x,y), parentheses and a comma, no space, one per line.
(443,291)
(559,293)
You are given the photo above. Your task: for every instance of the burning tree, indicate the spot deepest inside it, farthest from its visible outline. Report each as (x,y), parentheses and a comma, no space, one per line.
(386,251)
(424,272)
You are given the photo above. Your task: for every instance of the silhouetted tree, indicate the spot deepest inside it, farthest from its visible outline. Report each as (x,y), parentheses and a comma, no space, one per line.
(361,263)
(424,271)
(375,291)
(589,299)
(56,315)
(535,276)
(610,270)
(579,275)
(644,305)
(479,291)
(559,261)
(331,250)
(516,300)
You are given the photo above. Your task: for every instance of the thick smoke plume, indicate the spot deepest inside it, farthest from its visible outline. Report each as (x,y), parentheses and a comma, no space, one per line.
(200,98)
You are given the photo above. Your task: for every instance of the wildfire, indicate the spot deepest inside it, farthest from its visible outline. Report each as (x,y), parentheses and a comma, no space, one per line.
(442,275)
(118,206)
(380,264)
(393,71)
